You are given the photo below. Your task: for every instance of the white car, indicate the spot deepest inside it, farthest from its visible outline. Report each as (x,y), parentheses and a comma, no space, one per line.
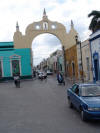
(42,75)
(49,72)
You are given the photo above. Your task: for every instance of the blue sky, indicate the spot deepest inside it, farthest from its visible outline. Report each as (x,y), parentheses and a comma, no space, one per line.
(28,11)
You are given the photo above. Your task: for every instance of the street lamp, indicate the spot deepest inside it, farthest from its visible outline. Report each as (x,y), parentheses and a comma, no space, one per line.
(79,43)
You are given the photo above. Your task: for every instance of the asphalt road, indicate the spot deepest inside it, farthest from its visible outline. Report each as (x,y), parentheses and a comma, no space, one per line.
(40,107)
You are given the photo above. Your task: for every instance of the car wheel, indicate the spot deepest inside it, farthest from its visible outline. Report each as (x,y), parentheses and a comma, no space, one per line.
(83,116)
(70,104)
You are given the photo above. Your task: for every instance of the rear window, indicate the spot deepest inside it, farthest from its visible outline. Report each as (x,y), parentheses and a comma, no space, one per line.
(93,90)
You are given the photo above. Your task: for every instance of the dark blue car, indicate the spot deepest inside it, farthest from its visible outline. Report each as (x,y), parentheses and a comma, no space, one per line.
(86,99)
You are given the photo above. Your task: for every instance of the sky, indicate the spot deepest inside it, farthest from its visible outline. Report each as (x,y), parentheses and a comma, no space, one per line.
(28,11)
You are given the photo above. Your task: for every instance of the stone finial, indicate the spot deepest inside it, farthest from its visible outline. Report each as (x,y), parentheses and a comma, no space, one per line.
(17,26)
(72,25)
(44,14)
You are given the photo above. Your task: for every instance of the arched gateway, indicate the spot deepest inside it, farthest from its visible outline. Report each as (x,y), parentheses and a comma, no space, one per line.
(44,26)
(23,42)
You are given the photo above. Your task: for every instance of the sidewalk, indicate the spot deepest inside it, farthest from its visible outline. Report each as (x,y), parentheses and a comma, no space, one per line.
(72,81)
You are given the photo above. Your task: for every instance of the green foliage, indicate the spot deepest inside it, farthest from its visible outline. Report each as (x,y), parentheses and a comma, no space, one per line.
(95,22)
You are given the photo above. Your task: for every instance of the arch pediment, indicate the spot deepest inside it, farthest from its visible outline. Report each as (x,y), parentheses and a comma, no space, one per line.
(45,26)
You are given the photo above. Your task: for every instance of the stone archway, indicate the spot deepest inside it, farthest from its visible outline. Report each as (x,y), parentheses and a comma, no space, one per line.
(44,26)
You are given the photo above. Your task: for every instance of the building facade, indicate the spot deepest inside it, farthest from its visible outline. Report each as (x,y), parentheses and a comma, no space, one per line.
(86,60)
(53,63)
(95,54)
(57,61)
(14,61)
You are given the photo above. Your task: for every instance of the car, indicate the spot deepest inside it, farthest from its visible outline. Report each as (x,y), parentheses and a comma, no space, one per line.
(86,99)
(42,75)
(49,72)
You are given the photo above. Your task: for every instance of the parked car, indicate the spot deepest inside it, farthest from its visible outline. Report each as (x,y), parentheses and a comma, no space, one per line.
(42,75)
(49,72)
(86,99)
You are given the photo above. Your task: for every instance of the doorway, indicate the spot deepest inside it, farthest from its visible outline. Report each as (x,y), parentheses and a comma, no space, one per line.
(0,69)
(15,67)
(96,65)
(96,62)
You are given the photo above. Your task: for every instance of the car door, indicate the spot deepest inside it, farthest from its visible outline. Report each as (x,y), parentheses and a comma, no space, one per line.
(76,97)
(72,91)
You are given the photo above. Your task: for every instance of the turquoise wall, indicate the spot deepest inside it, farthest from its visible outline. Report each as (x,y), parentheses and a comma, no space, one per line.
(25,55)
(6,61)
(25,61)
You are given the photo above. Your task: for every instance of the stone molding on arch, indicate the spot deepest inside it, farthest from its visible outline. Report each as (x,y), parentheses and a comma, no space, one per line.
(44,26)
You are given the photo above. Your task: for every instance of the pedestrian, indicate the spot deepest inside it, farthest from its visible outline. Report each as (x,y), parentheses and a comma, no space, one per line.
(34,73)
(17,81)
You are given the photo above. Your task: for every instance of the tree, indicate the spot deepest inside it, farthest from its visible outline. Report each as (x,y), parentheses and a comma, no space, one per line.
(95,22)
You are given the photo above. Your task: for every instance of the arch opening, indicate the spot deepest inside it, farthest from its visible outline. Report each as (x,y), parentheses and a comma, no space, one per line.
(44,47)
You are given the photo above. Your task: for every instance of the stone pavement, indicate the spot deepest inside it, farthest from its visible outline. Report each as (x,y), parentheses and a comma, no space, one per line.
(39,107)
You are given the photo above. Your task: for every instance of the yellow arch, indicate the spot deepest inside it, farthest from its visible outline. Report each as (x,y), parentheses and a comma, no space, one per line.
(44,26)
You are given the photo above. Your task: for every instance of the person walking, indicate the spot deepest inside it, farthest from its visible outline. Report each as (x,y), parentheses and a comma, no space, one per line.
(17,81)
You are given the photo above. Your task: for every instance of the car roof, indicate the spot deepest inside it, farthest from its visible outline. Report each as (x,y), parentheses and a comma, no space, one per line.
(88,84)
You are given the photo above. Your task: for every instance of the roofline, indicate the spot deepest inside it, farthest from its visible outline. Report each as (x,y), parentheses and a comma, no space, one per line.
(6,42)
(7,46)
(83,84)
(85,40)
(94,32)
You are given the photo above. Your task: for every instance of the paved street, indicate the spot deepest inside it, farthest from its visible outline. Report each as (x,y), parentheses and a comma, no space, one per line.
(39,107)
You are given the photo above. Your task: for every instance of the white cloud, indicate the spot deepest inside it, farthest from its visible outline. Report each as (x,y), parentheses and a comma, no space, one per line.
(43,45)
(27,11)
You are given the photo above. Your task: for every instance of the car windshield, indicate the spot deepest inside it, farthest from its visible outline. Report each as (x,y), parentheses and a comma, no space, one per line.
(91,90)
(40,72)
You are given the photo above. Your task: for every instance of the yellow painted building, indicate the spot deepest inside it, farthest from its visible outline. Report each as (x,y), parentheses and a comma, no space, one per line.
(71,62)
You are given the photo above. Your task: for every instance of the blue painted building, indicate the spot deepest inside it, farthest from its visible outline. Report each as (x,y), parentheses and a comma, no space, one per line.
(14,61)
(95,54)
